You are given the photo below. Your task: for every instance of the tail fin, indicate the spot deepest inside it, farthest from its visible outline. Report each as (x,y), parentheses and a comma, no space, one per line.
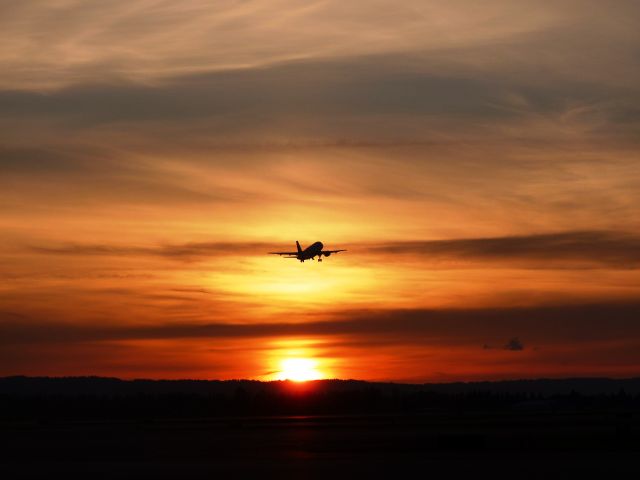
(298,245)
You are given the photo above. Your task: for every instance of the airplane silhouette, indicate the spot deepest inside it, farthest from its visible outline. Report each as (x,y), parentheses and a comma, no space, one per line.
(308,253)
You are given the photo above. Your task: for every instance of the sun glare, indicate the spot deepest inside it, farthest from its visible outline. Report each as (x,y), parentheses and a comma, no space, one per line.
(299,370)
(281,284)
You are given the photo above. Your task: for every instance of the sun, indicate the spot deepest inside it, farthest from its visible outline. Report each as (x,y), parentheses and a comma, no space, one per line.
(299,370)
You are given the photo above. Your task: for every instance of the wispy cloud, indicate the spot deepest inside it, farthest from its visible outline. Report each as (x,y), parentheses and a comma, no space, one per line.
(49,44)
(187,251)
(579,249)
(589,249)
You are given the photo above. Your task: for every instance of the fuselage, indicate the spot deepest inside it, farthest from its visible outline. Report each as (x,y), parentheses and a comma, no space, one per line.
(311,251)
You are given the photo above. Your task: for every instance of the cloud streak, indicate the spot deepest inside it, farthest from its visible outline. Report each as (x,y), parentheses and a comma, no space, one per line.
(595,248)
(579,249)
(48,44)
(542,325)
(347,90)
(186,251)
(514,345)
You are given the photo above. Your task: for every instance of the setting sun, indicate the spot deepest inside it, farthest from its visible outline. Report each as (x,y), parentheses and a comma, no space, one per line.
(299,370)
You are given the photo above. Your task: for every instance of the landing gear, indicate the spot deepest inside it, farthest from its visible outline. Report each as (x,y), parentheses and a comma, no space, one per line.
(320,258)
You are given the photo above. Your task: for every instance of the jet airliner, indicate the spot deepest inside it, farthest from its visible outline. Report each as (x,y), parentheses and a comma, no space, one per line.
(309,253)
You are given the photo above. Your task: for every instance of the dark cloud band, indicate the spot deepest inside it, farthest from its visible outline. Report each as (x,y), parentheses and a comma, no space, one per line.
(579,248)
(538,325)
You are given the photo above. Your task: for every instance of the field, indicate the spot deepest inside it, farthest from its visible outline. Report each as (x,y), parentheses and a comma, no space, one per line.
(522,444)
(94,428)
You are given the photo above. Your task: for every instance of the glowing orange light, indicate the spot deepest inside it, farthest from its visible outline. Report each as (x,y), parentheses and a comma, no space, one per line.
(299,370)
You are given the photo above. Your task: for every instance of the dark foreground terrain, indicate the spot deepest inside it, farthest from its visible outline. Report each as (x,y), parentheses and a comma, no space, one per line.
(105,428)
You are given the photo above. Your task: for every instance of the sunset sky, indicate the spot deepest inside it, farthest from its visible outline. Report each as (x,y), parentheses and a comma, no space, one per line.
(480,161)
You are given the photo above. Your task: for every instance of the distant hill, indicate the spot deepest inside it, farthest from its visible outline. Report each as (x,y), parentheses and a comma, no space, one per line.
(27,386)
(95,398)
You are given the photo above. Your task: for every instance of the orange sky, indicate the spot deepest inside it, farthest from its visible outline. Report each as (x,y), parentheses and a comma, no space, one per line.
(479,163)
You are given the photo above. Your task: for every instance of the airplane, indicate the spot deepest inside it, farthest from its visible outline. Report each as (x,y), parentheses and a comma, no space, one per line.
(308,253)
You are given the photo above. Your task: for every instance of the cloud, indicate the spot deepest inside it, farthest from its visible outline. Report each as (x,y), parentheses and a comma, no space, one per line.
(543,126)
(48,44)
(186,251)
(543,325)
(578,248)
(301,95)
(414,345)
(514,345)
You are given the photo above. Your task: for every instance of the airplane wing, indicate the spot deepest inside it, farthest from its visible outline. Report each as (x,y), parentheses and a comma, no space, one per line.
(329,252)
(291,254)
